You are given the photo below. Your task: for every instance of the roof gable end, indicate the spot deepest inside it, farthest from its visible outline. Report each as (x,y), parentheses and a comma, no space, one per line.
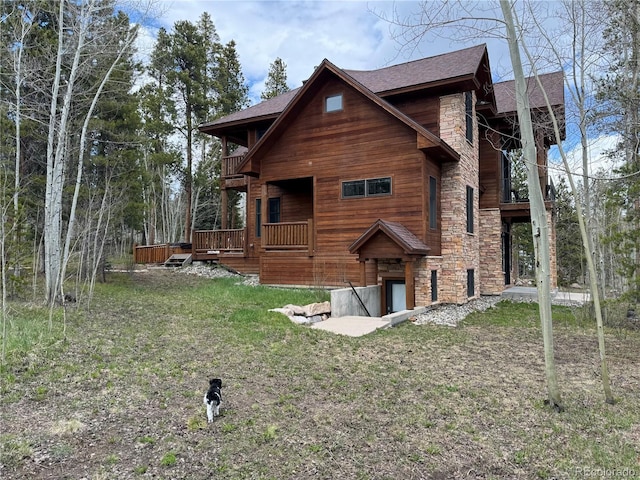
(425,139)
(407,242)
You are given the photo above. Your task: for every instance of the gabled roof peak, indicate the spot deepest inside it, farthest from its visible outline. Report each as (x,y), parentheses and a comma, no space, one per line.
(419,73)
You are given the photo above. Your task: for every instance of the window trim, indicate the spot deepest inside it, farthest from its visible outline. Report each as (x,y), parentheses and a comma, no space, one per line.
(258,217)
(366,188)
(468,115)
(471,282)
(433,203)
(434,285)
(270,213)
(470,204)
(330,97)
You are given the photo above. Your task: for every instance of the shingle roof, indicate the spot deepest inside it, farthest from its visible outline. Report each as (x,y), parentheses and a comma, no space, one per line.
(443,67)
(419,72)
(553,84)
(407,241)
(431,70)
(271,107)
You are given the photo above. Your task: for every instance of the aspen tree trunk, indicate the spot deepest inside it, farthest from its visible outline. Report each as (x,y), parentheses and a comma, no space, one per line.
(56,152)
(539,224)
(83,142)
(585,222)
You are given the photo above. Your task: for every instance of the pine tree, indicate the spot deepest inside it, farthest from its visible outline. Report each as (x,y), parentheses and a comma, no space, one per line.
(276,83)
(184,65)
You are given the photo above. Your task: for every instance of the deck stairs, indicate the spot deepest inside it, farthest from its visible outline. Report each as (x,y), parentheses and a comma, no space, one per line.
(178,260)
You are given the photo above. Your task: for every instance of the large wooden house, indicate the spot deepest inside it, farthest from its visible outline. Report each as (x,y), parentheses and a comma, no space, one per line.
(397,177)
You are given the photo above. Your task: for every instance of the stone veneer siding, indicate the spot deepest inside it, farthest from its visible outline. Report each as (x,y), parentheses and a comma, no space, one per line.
(423,270)
(460,250)
(491,265)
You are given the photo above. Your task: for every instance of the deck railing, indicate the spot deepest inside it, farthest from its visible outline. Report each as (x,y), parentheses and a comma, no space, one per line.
(218,240)
(288,236)
(512,195)
(230,165)
(156,253)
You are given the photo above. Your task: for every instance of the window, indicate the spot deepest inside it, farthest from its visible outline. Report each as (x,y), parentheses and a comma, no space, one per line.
(469,209)
(333,103)
(258,217)
(366,188)
(433,203)
(260,133)
(274,210)
(378,186)
(471,288)
(434,285)
(353,189)
(468,110)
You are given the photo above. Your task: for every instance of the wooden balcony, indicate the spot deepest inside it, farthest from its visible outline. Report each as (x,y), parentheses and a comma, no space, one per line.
(232,179)
(288,236)
(515,204)
(209,244)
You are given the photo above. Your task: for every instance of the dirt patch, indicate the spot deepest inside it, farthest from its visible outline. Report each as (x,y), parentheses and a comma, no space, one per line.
(124,399)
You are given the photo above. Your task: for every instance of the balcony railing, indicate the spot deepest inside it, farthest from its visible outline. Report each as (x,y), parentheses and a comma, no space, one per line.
(288,236)
(512,195)
(230,165)
(218,240)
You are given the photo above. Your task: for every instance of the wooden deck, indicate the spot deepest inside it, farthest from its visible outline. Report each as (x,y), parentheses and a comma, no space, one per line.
(214,245)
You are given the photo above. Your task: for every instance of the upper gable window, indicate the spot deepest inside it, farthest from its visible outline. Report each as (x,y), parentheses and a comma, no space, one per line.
(333,103)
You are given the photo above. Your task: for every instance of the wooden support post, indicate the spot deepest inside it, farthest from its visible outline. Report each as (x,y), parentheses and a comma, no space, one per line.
(363,272)
(310,236)
(410,288)
(264,209)
(224,196)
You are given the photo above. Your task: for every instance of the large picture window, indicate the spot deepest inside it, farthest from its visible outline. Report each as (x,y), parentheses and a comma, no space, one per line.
(371,187)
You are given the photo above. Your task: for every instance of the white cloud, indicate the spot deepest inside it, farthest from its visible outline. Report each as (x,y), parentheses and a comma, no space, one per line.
(599,164)
(350,34)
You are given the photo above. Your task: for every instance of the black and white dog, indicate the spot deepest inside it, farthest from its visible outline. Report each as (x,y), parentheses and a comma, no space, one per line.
(213,398)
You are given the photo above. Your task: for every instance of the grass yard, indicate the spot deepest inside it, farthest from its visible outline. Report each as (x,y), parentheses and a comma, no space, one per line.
(121,397)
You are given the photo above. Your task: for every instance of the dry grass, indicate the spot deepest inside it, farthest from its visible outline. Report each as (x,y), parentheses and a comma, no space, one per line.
(123,398)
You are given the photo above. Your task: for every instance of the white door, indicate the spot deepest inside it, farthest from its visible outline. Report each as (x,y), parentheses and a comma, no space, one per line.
(397,296)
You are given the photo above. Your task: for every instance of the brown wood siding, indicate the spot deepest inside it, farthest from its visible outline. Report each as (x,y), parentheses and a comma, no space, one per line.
(489,171)
(296,200)
(424,110)
(295,268)
(306,166)
(381,246)
(245,265)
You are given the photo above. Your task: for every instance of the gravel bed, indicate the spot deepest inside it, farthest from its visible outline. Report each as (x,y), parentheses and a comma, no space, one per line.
(214,271)
(451,314)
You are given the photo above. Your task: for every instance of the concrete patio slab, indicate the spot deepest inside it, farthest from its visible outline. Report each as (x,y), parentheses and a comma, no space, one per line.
(352,326)
(531,293)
